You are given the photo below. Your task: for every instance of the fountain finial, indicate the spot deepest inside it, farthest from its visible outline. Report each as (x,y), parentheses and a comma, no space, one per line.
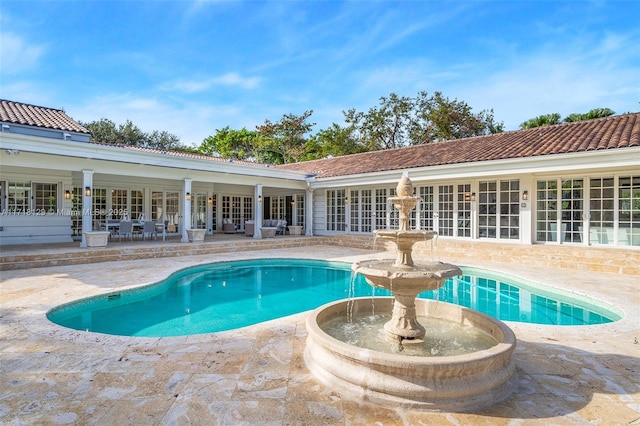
(405,186)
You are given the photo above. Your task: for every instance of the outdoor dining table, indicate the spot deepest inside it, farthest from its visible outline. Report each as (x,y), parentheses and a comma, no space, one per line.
(115,225)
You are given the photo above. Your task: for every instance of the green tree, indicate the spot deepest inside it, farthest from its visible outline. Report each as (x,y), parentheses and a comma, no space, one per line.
(103,130)
(541,120)
(106,131)
(594,113)
(437,118)
(333,142)
(284,141)
(385,126)
(229,143)
(400,121)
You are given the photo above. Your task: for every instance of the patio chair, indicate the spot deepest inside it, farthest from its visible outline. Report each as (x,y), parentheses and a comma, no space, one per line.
(126,228)
(151,229)
(228,227)
(281,227)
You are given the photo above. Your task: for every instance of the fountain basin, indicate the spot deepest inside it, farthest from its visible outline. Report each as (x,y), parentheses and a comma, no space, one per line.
(405,282)
(405,279)
(449,383)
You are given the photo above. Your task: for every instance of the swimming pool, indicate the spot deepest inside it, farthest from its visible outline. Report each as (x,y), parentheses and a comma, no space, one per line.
(229,295)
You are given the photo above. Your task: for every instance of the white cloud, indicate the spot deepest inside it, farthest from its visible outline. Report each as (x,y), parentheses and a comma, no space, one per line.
(195,86)
(16,54)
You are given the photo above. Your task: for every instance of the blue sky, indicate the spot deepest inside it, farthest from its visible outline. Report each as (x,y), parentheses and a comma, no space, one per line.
(193,67)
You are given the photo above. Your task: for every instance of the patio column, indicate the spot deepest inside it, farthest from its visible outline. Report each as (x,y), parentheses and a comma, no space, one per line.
(87,205)
(257,226)
(308,214)
(186,212)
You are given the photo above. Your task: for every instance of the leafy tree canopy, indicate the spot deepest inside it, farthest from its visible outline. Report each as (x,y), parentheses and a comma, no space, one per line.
(554,118)
(106,131)
(594,113)
(284,141)
(400,121)
(334,142)
(229,143)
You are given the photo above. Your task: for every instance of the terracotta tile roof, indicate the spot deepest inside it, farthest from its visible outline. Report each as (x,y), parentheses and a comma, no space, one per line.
(614,132)
(184,154)
(32,115)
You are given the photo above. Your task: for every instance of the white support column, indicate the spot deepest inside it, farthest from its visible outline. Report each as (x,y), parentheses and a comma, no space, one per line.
(186,212)
(87,205)
(258,200)
(308,214)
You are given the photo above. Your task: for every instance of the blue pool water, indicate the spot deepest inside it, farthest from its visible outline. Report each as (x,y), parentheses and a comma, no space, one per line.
(229,295)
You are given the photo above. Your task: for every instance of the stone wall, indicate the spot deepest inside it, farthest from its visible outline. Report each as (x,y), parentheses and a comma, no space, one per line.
(619,261)
(598,259)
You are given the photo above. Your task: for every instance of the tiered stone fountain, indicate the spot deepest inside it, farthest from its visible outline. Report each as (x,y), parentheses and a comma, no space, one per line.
(461,382)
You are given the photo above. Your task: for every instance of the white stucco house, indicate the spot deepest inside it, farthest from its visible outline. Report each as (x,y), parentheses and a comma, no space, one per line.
(573,183)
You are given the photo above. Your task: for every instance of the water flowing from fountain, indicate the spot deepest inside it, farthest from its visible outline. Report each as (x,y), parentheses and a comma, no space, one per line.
(460,361)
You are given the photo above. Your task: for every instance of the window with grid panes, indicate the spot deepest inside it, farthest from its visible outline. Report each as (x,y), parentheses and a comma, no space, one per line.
(336,210)
(572,195)
(299,210)
(226,207)
(381,208)
(278,207)
(426,207)
(156,206)
(98,205)
(137,204)
(214,211)
(247,209)
(366,210)
(546,210)
(45,197)
(236,210)
(487,209)
(172,201)
(629,209)
(119,207)
(464,210)
(19,197)
(601,209)
(355,210)
(445,210)
(199,211)
(510,209)
(76,212)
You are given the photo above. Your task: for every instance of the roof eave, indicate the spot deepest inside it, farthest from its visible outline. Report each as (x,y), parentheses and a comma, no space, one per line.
(119,154)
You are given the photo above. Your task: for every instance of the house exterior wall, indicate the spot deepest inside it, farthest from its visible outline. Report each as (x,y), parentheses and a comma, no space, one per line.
(123,178)
(571,219)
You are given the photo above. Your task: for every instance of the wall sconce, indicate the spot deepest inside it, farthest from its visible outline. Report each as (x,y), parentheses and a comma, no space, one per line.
(67,195)
(259,198)
(525,195)
(346,200)
(467,196)
(87,191)
(293,202)
(210,200)
(188,196)
(473,196)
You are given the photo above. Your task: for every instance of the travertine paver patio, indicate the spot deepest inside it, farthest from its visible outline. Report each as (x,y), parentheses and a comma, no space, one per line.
(256,375)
